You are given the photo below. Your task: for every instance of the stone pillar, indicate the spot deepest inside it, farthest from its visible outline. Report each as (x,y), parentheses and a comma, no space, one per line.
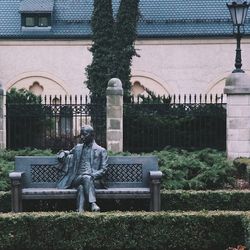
(115,115)
(2,119)
(238,115)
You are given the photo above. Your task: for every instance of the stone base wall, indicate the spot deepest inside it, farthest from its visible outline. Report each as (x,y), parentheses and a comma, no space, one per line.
(238,126)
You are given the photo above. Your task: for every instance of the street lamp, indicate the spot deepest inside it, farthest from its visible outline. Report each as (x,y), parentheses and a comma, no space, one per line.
(238,10)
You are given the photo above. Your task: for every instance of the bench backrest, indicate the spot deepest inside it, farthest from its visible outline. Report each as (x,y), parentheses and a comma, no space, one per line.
(123,171)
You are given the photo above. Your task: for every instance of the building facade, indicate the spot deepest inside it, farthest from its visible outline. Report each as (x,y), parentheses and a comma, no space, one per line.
(184,47)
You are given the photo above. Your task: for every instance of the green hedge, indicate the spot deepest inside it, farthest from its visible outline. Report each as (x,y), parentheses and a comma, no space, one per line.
(234,200)
(7,158)
(5,202)
(137,230)
(196,170)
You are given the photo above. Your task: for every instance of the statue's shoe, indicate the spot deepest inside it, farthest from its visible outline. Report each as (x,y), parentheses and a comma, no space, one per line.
(80,210)
(95,208)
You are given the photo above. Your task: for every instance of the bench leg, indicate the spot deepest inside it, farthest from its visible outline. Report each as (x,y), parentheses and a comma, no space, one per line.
(16,196)
(155,202)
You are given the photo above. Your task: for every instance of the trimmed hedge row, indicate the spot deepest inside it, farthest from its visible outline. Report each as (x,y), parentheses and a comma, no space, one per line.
(233,200)
(137,230)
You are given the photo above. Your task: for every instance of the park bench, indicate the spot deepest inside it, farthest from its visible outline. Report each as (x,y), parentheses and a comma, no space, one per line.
(127,177)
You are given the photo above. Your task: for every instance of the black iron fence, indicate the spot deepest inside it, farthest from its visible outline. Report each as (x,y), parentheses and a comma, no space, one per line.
(197,121)
(149,123)
(54,123)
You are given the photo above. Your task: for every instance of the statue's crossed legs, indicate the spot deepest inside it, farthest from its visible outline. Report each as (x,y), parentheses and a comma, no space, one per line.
(85,191)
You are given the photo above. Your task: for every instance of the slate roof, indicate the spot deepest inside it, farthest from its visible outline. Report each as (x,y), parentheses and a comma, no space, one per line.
(36,6)
(158,18)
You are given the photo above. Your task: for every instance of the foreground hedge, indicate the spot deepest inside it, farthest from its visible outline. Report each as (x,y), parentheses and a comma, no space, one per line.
(233,200)
(175,231)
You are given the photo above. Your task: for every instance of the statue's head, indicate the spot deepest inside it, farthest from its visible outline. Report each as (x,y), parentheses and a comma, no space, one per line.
(87,134)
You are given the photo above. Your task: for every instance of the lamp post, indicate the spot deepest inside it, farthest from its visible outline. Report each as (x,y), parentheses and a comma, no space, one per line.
(238,10)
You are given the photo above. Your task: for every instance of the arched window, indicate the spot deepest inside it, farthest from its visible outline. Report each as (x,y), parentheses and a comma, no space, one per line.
(36,88)
(137,88)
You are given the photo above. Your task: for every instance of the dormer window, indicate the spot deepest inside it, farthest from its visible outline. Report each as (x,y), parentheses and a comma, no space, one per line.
(36,14)
(36,20)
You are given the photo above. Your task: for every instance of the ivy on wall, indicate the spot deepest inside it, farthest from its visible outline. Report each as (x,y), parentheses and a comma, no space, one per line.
(113,45)
(99,71)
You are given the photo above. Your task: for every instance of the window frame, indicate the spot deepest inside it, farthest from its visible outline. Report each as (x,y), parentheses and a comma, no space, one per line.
(36,17)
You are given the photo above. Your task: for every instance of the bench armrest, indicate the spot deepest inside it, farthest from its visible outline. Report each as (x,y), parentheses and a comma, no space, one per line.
(155,175)
(155,182)
(16,191)
(16,175)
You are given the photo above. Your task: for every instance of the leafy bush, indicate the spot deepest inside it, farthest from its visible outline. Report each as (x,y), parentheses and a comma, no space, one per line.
(192,231)
(27,119)
(5,202)
(193,170)
(198,170)
(7,158)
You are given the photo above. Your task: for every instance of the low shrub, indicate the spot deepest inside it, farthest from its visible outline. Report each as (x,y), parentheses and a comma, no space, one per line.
(5,202)
(137,230)
(194,170)
(197,170)
(7,158)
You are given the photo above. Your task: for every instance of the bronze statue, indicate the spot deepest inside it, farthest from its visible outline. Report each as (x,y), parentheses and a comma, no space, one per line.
(84,167)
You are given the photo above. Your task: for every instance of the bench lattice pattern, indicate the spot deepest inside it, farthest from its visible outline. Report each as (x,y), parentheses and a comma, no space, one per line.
(115,173)
(44,173)
(124,173)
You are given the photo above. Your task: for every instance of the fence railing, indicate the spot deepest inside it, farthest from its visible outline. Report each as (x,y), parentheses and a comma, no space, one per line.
(186,121)
(54,123)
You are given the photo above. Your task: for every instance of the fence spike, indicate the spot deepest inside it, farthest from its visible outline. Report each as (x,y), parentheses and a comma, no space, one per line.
(205,98)
(70,99)
(185,98)
(190,98)
(50,99)
(211,98)
(195,98)
(216,98)
(200,98)
(137,99)
(158,99)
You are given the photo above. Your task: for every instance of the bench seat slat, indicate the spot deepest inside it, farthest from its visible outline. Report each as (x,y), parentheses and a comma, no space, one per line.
(54,193)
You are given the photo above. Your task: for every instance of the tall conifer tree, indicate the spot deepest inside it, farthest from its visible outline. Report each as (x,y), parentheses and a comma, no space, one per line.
(99,71)
(113,45)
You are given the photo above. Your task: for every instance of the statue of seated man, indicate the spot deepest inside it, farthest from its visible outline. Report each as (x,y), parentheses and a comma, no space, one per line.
(84,167)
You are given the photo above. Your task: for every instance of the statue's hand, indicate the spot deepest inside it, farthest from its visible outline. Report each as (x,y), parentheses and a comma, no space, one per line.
(61,156)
